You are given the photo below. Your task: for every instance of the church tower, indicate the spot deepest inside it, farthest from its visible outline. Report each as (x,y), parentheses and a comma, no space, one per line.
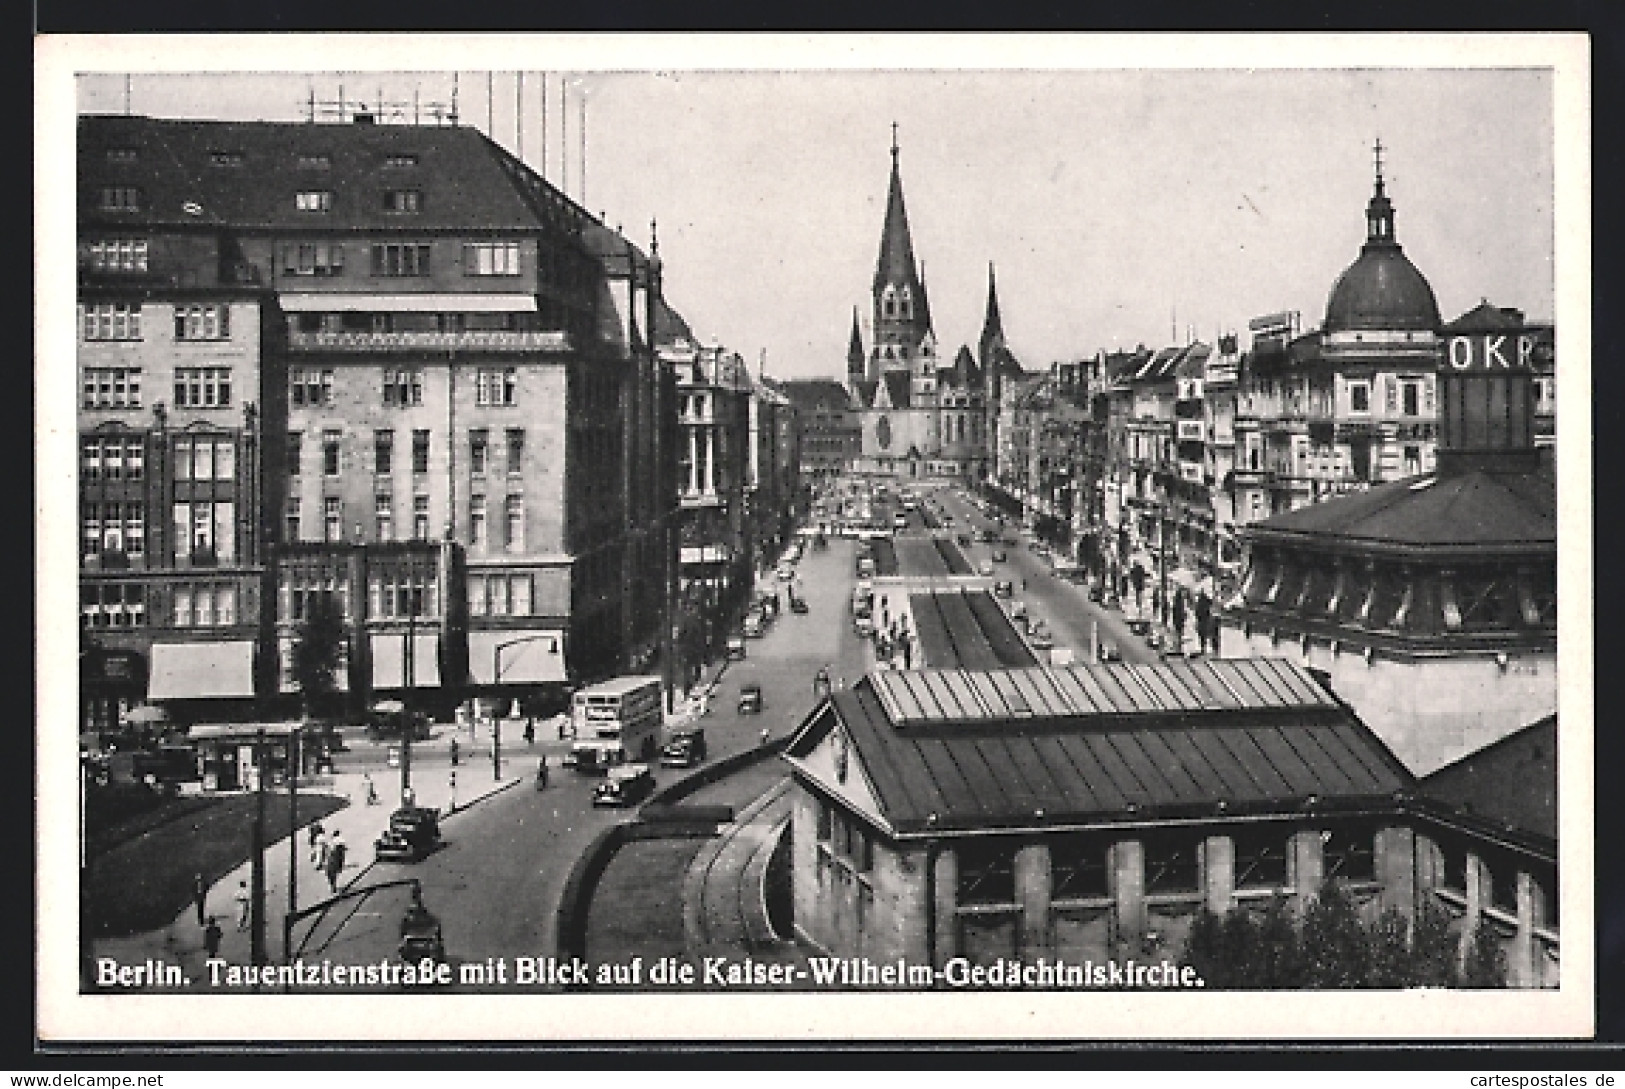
(901,319)
(992,354)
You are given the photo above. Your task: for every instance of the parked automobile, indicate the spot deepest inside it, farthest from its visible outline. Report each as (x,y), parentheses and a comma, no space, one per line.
(986,568)
(1003,588)
(736,647)
(786,573)
(413,832)
(798,605)
(753,627)
(1108,652)
(864,626)
(391,721)
(685,749)
(626,784)
(1040,638)
(750,699)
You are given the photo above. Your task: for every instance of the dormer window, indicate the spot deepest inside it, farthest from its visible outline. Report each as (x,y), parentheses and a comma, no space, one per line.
(313,200)
(120,198)
(403,201)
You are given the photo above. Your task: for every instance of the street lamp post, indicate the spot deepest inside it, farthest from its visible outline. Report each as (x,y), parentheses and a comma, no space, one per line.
(409,682)
(496,679)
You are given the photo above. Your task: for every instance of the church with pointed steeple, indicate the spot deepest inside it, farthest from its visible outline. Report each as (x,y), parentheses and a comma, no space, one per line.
(921,417)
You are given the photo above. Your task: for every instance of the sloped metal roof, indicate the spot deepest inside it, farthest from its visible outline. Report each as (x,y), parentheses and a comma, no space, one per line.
(956,750)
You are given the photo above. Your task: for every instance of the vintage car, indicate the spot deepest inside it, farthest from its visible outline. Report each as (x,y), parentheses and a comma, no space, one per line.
(389,720)
(1108,652)
(627,784)
(685,749)
(1039,637)
(1003,588)
(750,699)
(413,832)
(754,628)
(736,647)
(798,605)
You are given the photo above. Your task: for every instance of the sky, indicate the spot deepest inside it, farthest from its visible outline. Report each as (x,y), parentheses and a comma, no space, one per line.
(1121,203)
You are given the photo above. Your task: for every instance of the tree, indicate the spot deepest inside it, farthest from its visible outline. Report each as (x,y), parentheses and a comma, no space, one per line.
(1336,948)
(1204,950)
(1486,964)
(317,649)
(1280,955)
(1433,948)
(1392,966)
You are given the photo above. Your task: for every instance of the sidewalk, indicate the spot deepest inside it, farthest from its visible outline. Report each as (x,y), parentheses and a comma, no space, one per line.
(357,824)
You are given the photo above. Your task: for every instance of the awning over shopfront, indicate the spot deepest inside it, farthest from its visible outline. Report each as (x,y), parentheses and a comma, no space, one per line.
(389,661)
(354,302)
(202,670)
(535,656)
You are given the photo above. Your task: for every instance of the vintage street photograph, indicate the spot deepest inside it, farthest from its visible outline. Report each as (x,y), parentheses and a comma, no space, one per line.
(863,537)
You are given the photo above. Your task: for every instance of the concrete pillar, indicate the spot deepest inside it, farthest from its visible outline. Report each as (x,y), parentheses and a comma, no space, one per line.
(1478,893)
(1522,970)
(946,894)
(1219,873)
(1034,881)
(1397,870)
(693,461)
(1305,867)
(1127,875)
(1429,866)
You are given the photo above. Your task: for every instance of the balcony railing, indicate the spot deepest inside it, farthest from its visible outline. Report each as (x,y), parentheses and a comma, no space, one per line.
(484,340)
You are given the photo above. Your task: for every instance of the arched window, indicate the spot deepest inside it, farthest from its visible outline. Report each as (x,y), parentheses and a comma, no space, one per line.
(888,303)
(907,304)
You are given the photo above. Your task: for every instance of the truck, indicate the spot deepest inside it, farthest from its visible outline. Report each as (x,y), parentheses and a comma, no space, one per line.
(616,722)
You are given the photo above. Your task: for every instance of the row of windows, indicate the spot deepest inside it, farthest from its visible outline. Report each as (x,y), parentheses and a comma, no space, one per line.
(399,201)
(402,595)
(112,605)
(204,530)
(204,605)
(513,520)
(119,255)
(479,450)
(403,387)
(112,458)
(388,258)
(231,157)
(383,518)
(499,595)
(112,528)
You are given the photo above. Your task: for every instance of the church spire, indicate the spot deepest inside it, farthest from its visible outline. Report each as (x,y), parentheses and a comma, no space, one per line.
(854,352)
(991,347)
(896,263)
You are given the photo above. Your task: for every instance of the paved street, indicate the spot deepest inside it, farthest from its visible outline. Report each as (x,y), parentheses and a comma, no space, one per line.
(1063,606)
(496,882)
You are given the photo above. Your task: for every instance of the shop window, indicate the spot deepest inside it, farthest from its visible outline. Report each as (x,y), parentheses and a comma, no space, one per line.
(1349,854)
(1078,868)
(1260,858)
(986,875)
(1171,865)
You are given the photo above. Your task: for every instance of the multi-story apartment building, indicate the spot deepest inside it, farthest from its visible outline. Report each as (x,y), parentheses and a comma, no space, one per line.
(713,406)
(449,350)
(831,435)
(774,493)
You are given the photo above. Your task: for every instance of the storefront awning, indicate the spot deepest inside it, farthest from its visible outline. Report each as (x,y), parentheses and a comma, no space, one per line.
(389,661)
(537,659)
(202,670)
(433,303)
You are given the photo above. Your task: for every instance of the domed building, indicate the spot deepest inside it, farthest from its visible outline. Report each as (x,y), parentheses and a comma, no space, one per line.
(1429,598)
(1351,404)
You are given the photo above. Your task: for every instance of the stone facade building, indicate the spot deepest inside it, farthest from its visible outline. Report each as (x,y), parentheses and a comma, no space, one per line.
(437,345)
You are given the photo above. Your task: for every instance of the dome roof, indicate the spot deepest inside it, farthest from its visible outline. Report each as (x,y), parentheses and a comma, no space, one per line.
(1381,290)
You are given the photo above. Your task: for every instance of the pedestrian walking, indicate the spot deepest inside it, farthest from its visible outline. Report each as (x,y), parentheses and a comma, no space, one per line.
(454,749)
(530,733)
(318,848)
(244,905)
(371,791)
(765,735)
(336,850)
(541,773)
(200,892)
(211,938)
